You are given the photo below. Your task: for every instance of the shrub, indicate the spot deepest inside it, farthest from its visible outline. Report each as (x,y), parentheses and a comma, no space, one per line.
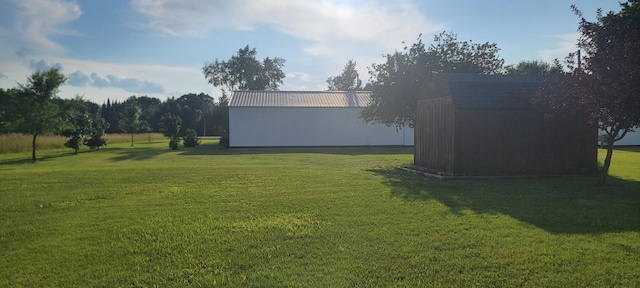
(190,138)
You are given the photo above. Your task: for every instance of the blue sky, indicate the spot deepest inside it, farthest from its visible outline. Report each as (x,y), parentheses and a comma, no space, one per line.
(118,48)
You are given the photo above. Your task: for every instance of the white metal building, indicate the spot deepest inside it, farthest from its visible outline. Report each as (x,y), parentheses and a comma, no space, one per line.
(632,138)
(298,119)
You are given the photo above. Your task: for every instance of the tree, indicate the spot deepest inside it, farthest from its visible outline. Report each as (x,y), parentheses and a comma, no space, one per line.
(33,108)
(244,72)
(96,133)
(131,120)
(604,83)
(347,81)
(534,67)
(6,99)
(150,107)
(77,122)
(190,138)
(193,109)
(397,84)
(448,55)
(111,114)
(221,119)
(170,126)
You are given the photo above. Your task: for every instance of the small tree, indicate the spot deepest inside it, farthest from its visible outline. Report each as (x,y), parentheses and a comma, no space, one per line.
(604,84)
(190,138)
(32,105)
(131,120)
(348,80)
(76,122)
(170,126)
(96,133)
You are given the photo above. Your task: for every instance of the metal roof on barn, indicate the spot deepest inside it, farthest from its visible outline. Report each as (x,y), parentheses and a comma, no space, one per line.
(478,91)
(347,99)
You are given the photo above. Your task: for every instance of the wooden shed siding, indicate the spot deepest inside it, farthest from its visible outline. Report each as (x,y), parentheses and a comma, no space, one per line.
(521,141)
(435,134)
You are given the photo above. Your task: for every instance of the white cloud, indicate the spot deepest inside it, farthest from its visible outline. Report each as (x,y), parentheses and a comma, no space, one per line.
(100,80)
(39,19)
(2,75)
(326,26)
(566,43)
(304,77)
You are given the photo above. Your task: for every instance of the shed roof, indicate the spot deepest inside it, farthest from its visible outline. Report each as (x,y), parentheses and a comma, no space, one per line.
(350,99)
(478,91)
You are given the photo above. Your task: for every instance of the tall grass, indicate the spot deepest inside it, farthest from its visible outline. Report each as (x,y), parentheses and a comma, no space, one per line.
(15,142)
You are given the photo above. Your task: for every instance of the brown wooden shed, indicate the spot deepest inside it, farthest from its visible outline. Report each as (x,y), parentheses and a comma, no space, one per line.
(470,124)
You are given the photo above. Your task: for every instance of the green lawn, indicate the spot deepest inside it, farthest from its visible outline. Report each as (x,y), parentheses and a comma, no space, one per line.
(146,216)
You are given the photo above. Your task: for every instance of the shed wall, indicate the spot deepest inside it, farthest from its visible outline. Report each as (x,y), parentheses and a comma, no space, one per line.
(434,134)
(521,141)
(302,126)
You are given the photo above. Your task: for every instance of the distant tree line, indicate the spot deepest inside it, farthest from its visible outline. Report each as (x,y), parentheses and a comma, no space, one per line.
(33,108)
(197,111)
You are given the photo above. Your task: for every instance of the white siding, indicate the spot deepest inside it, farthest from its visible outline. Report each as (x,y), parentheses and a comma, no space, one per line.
(308,126)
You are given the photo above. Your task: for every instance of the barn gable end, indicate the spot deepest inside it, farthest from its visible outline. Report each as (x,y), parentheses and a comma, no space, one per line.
(486,125)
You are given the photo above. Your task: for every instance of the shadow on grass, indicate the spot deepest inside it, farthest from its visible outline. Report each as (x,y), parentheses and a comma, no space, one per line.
(44,158)
(136,153)
(565,205)
(212,148)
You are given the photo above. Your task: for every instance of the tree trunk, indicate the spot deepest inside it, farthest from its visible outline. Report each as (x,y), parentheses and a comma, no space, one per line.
(131,139)
(33,148)
(607,161)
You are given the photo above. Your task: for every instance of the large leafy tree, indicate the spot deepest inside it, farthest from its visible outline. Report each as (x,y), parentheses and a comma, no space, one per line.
(534,67)
(397,84)
(348,80)
(605,82)
(194,108)
(32,105)
(245,72)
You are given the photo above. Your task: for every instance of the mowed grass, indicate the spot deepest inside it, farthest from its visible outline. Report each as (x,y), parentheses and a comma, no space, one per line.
(147,216)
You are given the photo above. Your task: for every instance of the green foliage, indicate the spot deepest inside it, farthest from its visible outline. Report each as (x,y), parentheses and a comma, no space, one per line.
(604,84)
(96,133)
(32,108)
(245,72)
(170,127)
(348,80)
(190,138)
(534,67)
(131,120)
(306,218)
(76,121)
(5,101)
(397,84)
(448,55)
(221,119)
